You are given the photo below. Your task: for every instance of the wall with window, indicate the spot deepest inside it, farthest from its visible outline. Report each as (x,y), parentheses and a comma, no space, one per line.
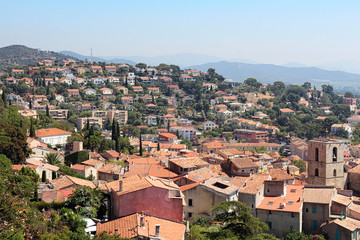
(314,212)
(280,222)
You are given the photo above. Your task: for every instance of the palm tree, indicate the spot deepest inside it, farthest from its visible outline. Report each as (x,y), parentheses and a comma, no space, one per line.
(53,158)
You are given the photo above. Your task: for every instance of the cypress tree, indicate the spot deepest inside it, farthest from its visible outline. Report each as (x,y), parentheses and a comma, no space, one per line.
(113,127)
(158,146)
(141,147)
(32,128)
(3,96)
(168,126)
(30,104)
(36,194)
(47,111)
(117,129)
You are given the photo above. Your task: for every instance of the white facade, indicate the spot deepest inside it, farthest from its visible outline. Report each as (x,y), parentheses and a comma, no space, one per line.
(54,140)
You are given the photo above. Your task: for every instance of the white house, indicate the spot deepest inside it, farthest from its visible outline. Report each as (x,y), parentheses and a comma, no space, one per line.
(151,120)
(89,91)
(209,125)
(106,91)
(52,136)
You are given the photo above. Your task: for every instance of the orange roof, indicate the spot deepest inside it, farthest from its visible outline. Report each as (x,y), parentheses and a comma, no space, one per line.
(167,135)
(50,132)
(161,172)
(193,162)
(291,201)
(168,116)
(130,227)
(286,110)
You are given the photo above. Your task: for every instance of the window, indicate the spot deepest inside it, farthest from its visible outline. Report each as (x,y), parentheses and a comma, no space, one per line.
(316,172)
(189,214)
(316,154)
(269,224)
(337,235)
(270,212)
(292,215)
(190,203)
(334,173)
(314,225)
(313,210)
(334,154)
(306,210)
(354,235)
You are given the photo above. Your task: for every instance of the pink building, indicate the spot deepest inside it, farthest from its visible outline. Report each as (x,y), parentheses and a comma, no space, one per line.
(153,196)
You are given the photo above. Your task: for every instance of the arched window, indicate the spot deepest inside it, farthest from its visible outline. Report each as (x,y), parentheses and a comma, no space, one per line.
(316,172)
(334,154)
(316,154)
(334,173)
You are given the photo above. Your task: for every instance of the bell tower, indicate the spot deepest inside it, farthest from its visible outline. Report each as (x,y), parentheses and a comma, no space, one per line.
(326,163)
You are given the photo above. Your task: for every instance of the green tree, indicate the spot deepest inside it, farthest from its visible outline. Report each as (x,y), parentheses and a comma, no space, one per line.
(301,164)
(53,159)
(32,128)
(89,200)
(236,218)
(13,143)
(141,146)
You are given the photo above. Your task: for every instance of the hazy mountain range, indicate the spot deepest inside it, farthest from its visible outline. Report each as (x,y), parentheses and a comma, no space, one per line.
(269,73)
(237,69)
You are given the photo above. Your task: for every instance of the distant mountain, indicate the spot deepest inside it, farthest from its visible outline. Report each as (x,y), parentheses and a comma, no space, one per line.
(99,59)
(294,64)
(352,66)
(19,55)
(268,73)
(182,60)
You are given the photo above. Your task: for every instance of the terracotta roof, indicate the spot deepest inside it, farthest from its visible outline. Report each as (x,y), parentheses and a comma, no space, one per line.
(341,199)
(291,201)
(253,183)
(79,167)
(129,227)
(286,110)
(136,183)
(92,162)
(167,135)
(321,195)
(348,223)
(50,132)
(141,170)
(188,186)
(110,167)
(65,181)
(161,172)
(226,187)
(280,175)
(244,163)
(193,162)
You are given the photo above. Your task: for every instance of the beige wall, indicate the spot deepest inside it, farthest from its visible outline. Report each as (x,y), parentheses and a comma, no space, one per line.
(203,199)
(322,214)
(281,221)
(325,164)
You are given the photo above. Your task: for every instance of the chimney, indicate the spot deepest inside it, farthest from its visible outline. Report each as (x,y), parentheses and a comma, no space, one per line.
(120,186)
(157,230)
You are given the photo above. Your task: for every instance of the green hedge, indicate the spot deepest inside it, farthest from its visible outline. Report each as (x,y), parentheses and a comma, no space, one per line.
(76,157)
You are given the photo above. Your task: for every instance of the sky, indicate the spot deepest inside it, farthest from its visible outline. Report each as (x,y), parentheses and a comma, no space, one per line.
(277,31)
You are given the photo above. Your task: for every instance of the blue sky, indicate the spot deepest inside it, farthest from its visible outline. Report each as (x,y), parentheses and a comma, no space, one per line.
(276,31)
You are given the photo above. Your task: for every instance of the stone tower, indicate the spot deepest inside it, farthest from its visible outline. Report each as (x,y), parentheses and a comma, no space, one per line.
(326,163)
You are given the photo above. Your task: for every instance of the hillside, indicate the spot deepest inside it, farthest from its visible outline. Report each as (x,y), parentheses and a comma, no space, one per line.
(19,55)
(268,73)
(98,59)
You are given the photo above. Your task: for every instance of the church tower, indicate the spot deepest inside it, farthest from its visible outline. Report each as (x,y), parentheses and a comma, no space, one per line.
(326,163)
